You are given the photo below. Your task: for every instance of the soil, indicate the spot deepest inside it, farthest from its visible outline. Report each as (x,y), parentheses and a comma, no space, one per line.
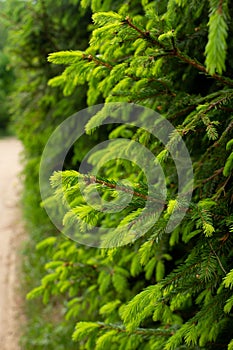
(11,238)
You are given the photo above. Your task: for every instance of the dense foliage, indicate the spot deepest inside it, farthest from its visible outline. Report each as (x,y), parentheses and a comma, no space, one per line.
(35,30)
(164,290)
(6,76)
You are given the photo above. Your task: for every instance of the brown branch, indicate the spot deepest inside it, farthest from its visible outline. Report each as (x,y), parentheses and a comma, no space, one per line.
(200,67)
(216,173)
(176,53)
(229,127)
(227,109)
(140,331)
(97,61)
(217,257)
(215,104)
(93,179)
(220,6)
(221,188)
(183,112)
(144,34)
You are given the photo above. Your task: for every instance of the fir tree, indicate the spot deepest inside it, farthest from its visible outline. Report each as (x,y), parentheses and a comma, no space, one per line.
(164,290)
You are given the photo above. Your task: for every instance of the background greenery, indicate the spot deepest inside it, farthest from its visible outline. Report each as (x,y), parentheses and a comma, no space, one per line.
(164,291)
(6,75)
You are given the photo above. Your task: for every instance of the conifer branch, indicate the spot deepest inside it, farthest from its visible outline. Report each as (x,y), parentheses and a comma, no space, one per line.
(93,179)
(218,102)
(177,53)
(225,132)
(216,143)
(97,61)
(217,257)
(139,331)
(183,112)
(168,90)
(142,98)
(178,275)
(144,34)
(220,6)
(205,100)
(222,188)
(227,109)
(200,67)
(216,173)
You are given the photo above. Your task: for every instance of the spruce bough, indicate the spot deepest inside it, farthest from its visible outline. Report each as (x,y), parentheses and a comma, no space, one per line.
(166,290)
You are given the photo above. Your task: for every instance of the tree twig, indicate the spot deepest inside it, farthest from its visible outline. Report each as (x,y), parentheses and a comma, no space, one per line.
(216,173)
(177,53)
(93,179)
(97,61)
(217,257)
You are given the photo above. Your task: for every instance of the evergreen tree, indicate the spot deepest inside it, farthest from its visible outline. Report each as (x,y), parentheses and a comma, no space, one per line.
(164,290)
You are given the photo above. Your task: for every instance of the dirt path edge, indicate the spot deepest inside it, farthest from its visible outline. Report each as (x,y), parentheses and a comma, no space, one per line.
(11,237)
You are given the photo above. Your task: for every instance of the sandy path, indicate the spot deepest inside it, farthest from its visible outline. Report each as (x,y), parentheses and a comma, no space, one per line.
(10,237)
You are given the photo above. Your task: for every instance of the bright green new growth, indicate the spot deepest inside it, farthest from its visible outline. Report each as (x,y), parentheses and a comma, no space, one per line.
(136,72)
(217,40)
